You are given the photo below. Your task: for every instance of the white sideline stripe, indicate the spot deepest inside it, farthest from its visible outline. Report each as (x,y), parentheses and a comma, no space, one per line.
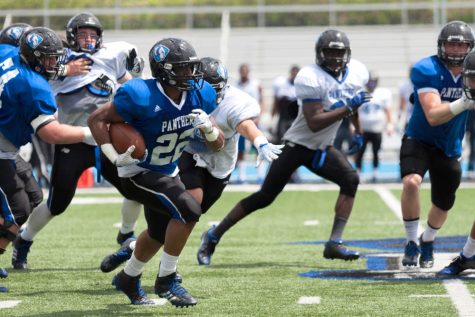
(117,225)
(311,223)
(461,297)
(9,303)
(428,295)
(159,301)
(97,200)
(457,290)
(309,300)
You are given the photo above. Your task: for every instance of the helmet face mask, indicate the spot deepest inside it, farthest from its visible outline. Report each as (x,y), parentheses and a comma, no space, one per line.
(174,63)
(12,34)
(216,74)
(333,51)
(84,20)
(42,50)
(468,76)
(454,32)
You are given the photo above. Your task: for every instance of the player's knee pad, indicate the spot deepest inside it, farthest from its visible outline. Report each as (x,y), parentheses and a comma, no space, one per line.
(191,212)
(349,183)
(444,202)
(158,235)
(257,201)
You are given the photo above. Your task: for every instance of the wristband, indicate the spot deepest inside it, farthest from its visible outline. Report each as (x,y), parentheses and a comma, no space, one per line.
(213,135)
(110,152)
(457,106)
(260,141)
(88,138)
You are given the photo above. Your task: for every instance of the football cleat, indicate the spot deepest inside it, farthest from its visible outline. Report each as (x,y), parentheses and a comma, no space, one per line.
(3,273)
(411,254)
(112,261)
(121,237)
(336,250)
(130,286)
(459,264)
(207,247)
(426,260)
(170,288)
(21,248)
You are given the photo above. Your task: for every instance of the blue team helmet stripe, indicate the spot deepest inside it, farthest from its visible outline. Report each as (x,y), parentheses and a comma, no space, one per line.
(312,100)
(164,200)
(6,210)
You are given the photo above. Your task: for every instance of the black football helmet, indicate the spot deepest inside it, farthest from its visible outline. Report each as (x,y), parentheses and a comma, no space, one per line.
(333,51)
(468,75)
(83,20)
(38,43)
(215,73)
(11,34)
(174,62)
(455,31)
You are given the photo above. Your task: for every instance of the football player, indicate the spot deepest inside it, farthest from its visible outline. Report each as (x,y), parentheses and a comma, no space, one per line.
(466,259)
(103,68)
(205,172)
(327,91)
(167,110)
(433,139)
(27,106)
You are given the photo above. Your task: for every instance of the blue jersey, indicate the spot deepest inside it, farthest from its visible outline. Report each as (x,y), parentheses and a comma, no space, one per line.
(24,96)
(431,74)
(163,124)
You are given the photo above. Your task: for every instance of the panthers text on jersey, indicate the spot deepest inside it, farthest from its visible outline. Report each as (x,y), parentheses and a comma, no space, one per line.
(431,75)
(26,102)
(235,107)
(314,84)
(164,124)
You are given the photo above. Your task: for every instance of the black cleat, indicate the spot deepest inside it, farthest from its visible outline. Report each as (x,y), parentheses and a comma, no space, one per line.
(121,237)
(130,286)
(112,261)
(206,249)
(21,248)
(170,288)
(336,250)
(411,254)
(426,260)
(458,265)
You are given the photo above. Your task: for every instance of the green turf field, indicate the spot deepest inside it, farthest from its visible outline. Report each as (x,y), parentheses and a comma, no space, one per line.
(254,271)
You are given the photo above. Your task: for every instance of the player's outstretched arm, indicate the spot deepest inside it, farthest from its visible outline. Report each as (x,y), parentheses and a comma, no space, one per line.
(54,132)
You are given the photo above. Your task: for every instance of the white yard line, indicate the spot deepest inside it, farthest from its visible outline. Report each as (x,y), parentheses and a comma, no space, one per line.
(9,303)
(309,300)
(457,290)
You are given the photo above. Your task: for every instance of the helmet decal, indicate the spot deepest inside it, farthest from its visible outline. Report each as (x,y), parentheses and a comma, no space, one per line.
(33,40)
(15,32)
(160,52)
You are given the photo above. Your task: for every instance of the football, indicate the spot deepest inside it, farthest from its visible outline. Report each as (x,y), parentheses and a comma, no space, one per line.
(124,135)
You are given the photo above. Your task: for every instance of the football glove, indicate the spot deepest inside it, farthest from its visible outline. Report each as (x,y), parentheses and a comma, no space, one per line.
(356,101)
(134,64)
(266,151)
(201,120)
(123,159)
(356,144)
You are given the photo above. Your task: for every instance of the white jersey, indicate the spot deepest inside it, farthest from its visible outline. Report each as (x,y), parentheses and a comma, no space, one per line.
(314,84)
(406,88)
(109,60)
(283,88)
(251,87)
(235,107)
(372,114)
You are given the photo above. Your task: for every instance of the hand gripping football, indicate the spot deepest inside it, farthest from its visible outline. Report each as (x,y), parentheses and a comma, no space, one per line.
(124,135)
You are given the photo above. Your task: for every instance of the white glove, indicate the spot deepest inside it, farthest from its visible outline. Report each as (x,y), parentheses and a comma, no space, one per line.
(267,151)
(134,64)
(201,120)
(461,105)
(123,159)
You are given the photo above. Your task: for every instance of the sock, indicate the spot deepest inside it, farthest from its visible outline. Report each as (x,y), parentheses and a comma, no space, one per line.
(339,224)
(411,229)
(40,216)
(469,248)
(167,264)
(130,214)
(430,233)
(134,267)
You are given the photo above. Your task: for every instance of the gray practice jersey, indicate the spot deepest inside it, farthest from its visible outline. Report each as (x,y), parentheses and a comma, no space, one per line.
(315,85)
(236,107)
(109,60)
